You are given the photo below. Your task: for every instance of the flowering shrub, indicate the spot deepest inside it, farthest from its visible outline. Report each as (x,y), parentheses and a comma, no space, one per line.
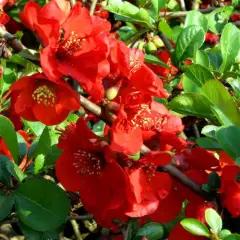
(120,118)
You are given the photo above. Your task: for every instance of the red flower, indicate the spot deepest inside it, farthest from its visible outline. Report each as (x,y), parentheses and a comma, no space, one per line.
(36,98)
(81,51)
(86,166)
(165,72)
(235,17)
(211,38)
(42,21)
(148,187)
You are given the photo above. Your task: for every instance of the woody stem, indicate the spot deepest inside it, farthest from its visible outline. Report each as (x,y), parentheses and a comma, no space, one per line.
(93,6)
(173,171)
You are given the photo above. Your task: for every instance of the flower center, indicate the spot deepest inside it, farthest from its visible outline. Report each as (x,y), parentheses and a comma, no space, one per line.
(134,65)
(87,163)
(71,45)
(150,170)
(44,95)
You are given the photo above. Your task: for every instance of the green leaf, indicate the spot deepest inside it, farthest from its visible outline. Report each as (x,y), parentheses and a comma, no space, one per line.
(235,84)
(23,148)
(6,205)
(132,228)
(229,137)
(129,11)
(195,227)
(36,127)
(190,86)
(9,76)
(208,143)
(126,32)
(190,38)
(218,18)
(214,220)
(222,102)
(198,74)
(41,146)
(41,204)
(232,237)
(224,233)
(202,58)
(194,17)
(148,58)
(152,231)
(214,180)
(215,57)
(52,157)
(210,131)
(16,171)
(37,235)
(193,104)
(164,27)
(9,136)
(98,128)
(230,45)
(158,5)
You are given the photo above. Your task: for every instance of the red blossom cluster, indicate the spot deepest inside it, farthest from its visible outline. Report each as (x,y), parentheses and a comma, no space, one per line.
(114,179)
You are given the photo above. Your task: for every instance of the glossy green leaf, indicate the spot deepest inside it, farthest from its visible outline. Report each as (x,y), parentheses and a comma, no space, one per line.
(213,219)
(194,17)
(202,59)
(229,138)
(218,18)
(198,74)
(9,135)
(190,86)
(195,227)
(193,104)
(230,45)
(232,237)
(235,84)
(6,205)
(41,204)
(133,227)
(148,58)
(210,131)
(158,5)
(152,231)
(222,102)
(164,27)
(224,233)
(129,11)
(36,127)
(208,143)
(190,38)
(126,32)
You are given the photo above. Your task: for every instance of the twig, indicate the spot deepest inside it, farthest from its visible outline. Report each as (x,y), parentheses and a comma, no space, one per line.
(93,6)
(166,42)
(196,131)
(182,5)
(76,230)
(183,13)
(173,171)
(83,217)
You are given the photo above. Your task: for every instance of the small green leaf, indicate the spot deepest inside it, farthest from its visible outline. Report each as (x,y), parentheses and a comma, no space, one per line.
(194,17)
(41,204)
(195,227)
(230,45)
(232,237)
(214,180)
(208,143)
(193,104)
(158,5)
(202,59)
(213,219)
(152,231)
(148,58)
(16,171)
(210,131)
(98,128)
(189,39)
(198,74)
(9,136)
(229,138)
(235,84)
(164,27)
(190,86)
(36,127)
(224,233)
(6,205)
(133,227)
(222,102)
(218,18)
(128,11)
(126,32)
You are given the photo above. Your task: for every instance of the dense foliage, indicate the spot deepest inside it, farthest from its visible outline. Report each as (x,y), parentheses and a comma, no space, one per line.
(120,119)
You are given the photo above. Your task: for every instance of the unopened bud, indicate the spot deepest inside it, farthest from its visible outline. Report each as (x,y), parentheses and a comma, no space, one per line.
(158,41)
(135,157)
(141,45)
(112,92)
(151,47)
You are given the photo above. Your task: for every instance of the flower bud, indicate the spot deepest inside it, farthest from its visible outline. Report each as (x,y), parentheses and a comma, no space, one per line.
(135,157)
(141,45)
(158,42)
(151,47)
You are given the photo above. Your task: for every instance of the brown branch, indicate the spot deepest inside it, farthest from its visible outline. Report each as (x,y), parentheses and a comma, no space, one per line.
(173,171)
(166,42)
